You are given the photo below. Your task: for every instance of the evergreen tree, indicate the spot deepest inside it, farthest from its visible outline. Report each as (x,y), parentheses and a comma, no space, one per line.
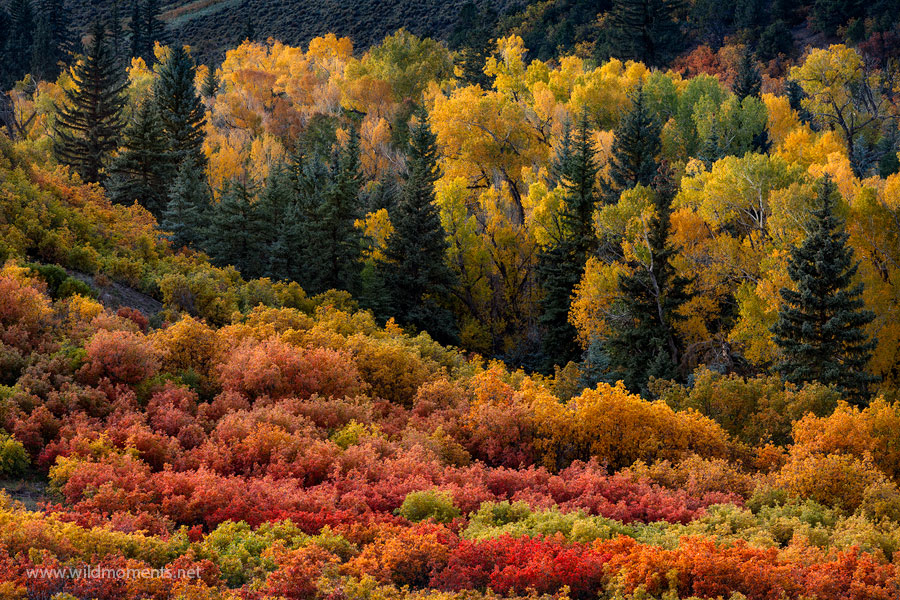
(748,82)
(414,270)
(189,207)
(561,262)
(136,28)
(336,214)
(89,124)
(180,108)
(236,231)
(114,26)
(51,40)
(153,30)
(139,173)
(210,83)
(21,38)
(634,150)
(645,30)
(821,326)
(643,342)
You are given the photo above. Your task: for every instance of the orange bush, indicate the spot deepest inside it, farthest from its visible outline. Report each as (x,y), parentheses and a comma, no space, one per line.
(121,356)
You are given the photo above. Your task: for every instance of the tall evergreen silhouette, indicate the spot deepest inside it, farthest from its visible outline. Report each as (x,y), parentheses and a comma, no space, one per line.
(140,171)
(180,108)
(415,273)
(643,342)
(51,43)
(561,262)
(821,326)
(89,122)
(189,207)
(20,42)
(635,149)
(747,82)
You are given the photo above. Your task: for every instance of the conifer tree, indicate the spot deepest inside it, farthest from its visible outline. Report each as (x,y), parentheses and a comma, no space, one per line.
(136,29)
(336,214)
(414,270)
(643,342)
(189,208)
(561,262)
(21,38)
(140,173)
(210,85)
(89,124)
(236,231)
(180,108)
(51,40)
(748,82)
(634,150)
(645,30)
(821,326)
(153,30)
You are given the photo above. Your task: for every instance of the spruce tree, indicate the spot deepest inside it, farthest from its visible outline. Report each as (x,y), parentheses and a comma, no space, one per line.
(153,30)
(180,108)
(747,82)
(645,30)
(635,148)
(139,173)
(338,210)
(21,38)
(821,326)
(414,270)
(561,262)
(210,85)
(89,124)
(189,208)
(643,342)
(236,232)
(51,40)
(136,29)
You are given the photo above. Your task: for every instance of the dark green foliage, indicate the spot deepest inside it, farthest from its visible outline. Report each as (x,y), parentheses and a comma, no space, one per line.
(645,30)
(19,40)
(210,83)
(154,30)
(89,124)
(828,15)
(189,207)
(180,108)
(59,283)
(561,263)
(821,326)
(51,40)
(472,39)
(136,29)
(140,172)
(634,151)
(416,277)
(776,39)
(747,82)
(643,342)
(237,232)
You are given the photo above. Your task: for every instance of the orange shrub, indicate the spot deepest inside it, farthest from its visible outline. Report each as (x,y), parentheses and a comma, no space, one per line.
(278,370)
(121,356)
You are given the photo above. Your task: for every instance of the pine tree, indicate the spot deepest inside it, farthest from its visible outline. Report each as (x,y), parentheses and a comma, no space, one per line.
(21,38)
(153,30)
(821,326)
(210,83)
(140,173)
(645,30)
(114,26)
(634,150)
(643,342)
(51,40)
(337,213)
(561,262)
(414,270)
(748,82)
(89,124)
(189,208)
(136,28)
(180,108)
(236,231)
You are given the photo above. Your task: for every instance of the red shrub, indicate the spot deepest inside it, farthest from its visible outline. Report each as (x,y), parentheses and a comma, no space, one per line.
(121,356)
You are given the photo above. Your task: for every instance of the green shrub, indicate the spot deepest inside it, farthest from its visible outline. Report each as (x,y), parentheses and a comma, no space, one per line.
(429,504)
(72,286)
(13,457)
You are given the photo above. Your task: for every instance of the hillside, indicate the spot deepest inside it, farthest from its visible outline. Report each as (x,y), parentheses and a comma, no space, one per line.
(214,25)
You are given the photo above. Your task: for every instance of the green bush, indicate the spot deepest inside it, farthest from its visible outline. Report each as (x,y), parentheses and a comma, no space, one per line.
(429,504)
(72,286)
(13,457)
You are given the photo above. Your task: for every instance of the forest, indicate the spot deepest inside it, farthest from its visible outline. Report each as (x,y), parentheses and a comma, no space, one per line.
(565,301)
